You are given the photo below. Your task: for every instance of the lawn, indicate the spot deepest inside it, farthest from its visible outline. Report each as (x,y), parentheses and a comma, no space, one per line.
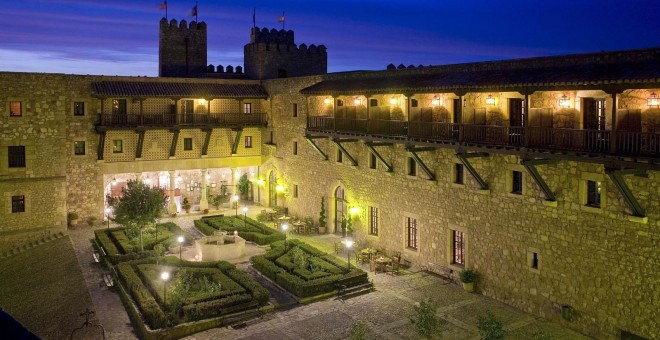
(47,276)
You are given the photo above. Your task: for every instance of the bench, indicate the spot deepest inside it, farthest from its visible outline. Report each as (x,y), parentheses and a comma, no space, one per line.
(108,280)
(96,256)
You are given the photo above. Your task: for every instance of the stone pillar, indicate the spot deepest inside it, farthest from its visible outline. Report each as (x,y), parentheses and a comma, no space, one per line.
(171,207)
(203,202)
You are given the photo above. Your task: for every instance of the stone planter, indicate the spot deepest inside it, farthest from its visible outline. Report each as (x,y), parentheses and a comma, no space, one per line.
(468,286)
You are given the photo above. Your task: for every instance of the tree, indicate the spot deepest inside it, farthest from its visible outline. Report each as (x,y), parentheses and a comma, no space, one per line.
(427,324)
(139,206)
(322,214)
(490,328)
(243,186)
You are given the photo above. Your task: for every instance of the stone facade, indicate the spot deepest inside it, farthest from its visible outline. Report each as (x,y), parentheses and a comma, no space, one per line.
(182,49)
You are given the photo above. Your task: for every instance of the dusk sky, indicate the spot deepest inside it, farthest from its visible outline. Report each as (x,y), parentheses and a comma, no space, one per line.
(120,37)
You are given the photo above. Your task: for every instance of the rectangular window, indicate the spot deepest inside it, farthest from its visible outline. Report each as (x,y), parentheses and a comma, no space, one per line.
(15,109)
(118,146)
(516,182)
(458,248)
(16,156)
(593,194)
(535,260)
(458,174)
(411,233)
(372,161)
(373,102)
(79,148)
(340,156)
(17,204)
(340,102)
(295,148)
(187,144)
(271,140)
(412,167)
(248,142)
(414,103)
(119,106)
(373,221)
(78,108)
(247,107)
(295,191)
(294,109)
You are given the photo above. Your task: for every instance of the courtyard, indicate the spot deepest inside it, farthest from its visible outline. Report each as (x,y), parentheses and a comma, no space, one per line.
(386,311)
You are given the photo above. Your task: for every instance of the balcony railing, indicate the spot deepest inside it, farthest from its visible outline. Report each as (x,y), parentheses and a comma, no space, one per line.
(171,120)
(576,140)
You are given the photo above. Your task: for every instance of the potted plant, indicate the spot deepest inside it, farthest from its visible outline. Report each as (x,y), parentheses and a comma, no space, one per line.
(72,218)
(468,277)
(322,225)
(244,186)
(186,205)
(91,220)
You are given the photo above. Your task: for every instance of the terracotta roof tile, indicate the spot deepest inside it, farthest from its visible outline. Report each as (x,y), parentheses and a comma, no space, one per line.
(190,90)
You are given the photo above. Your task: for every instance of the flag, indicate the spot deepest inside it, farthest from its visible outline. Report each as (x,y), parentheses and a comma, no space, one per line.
(281,19)
(194,11)
(163,5)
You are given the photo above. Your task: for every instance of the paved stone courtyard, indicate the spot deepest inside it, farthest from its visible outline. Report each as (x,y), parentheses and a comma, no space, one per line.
(386,311)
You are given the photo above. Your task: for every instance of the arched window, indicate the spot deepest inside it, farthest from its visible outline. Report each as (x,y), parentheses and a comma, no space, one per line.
(340,208)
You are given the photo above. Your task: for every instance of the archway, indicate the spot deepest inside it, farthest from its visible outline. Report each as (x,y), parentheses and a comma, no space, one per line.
(272,189)
(340,208)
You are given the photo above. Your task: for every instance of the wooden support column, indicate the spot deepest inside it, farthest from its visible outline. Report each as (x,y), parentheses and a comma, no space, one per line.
(615,124)
(526,118)
(171,205)
(203,202)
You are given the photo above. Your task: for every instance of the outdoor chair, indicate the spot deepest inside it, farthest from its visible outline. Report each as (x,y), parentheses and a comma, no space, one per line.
(393,267)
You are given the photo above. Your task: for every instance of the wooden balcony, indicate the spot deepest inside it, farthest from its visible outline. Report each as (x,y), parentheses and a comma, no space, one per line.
(604,142)
(122,121)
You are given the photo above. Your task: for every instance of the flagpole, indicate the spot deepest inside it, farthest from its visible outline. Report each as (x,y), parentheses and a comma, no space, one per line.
(196,11)
(166,19)
(283,19)
(254,18)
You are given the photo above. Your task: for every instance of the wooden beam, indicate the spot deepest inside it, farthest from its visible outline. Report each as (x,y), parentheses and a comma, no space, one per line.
(234,147)
(343,150)
(140,143)
(413,153)
(175,139)
(617,177)
(387,166)
(310,139)
(463,157)
(530,166)
(101,147)
(207,141)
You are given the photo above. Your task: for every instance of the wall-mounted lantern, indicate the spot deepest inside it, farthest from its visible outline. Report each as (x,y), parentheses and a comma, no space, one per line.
(564,102)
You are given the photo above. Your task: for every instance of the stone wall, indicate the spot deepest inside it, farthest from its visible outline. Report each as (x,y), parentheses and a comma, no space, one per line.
(598,261)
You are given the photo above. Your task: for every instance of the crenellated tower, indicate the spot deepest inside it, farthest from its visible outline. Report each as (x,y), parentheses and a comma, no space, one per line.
(182,49)
(274,54)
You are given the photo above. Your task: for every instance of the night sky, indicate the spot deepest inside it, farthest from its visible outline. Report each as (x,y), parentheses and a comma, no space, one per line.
(120,37)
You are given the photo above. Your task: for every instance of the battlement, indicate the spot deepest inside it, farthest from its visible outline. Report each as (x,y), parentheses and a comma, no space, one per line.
(271,36)
(183,25)
(288,48)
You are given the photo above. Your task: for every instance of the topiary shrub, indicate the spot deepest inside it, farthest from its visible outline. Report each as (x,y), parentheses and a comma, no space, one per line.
(490,328)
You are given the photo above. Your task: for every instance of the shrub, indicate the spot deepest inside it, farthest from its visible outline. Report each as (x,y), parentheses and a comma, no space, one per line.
(359,331)
(426,323)
(91,220)
(490,328)
(468,275)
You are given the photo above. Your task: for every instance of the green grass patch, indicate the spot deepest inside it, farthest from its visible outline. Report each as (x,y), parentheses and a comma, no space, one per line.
(247,228)
(305,271)
(47,276)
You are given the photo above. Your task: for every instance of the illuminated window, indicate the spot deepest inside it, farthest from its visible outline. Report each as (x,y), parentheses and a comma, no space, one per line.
(119,106)
(79,148)
(248,142)
(15,109)
(187,144)
(411,233)
(18,204)
(593,194)
(118,146)
(458,248)
(16,156)
(373,221)
(79,108)
(247,107)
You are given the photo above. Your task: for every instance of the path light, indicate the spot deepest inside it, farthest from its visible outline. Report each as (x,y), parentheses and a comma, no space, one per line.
(164,276)
(349,244)
(235,198)
(180,239)
(107,216)
(284,228)
(245,210)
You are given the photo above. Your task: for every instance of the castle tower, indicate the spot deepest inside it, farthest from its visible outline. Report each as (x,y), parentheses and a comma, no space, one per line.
(274,54)
(182,49)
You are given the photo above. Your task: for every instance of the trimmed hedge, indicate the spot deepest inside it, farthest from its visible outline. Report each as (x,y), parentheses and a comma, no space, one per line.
(153,315)
(249,229)
(302,283)
(118,247)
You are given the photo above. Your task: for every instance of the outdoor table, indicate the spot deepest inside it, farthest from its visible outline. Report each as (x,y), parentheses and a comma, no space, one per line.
(283,219)
(300,227)
(381,262)
(270,213)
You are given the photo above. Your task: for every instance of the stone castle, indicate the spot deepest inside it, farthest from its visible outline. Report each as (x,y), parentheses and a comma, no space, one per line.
(542,174)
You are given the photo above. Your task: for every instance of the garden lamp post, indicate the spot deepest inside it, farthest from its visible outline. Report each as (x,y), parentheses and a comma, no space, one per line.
(284,228)
(236,203)
(349,244)
(245,210)
(164,276)
(180,239)
(107,216)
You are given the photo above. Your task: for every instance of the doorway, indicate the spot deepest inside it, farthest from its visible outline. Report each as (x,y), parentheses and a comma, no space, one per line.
(340,208)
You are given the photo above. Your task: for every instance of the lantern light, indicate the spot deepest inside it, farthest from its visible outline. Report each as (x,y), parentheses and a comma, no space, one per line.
(327,101)
(394,101)
(279,188)
(564,102)
(357,101)
(261,182)
(435,101)
(490,100)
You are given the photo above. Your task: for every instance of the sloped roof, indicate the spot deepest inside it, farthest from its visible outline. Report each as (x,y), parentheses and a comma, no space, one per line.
(429,80)
(166,89)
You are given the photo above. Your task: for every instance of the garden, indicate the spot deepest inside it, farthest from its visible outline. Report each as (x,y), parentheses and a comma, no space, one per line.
(246,227)
(188,293)
(123,244)
(306,271)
